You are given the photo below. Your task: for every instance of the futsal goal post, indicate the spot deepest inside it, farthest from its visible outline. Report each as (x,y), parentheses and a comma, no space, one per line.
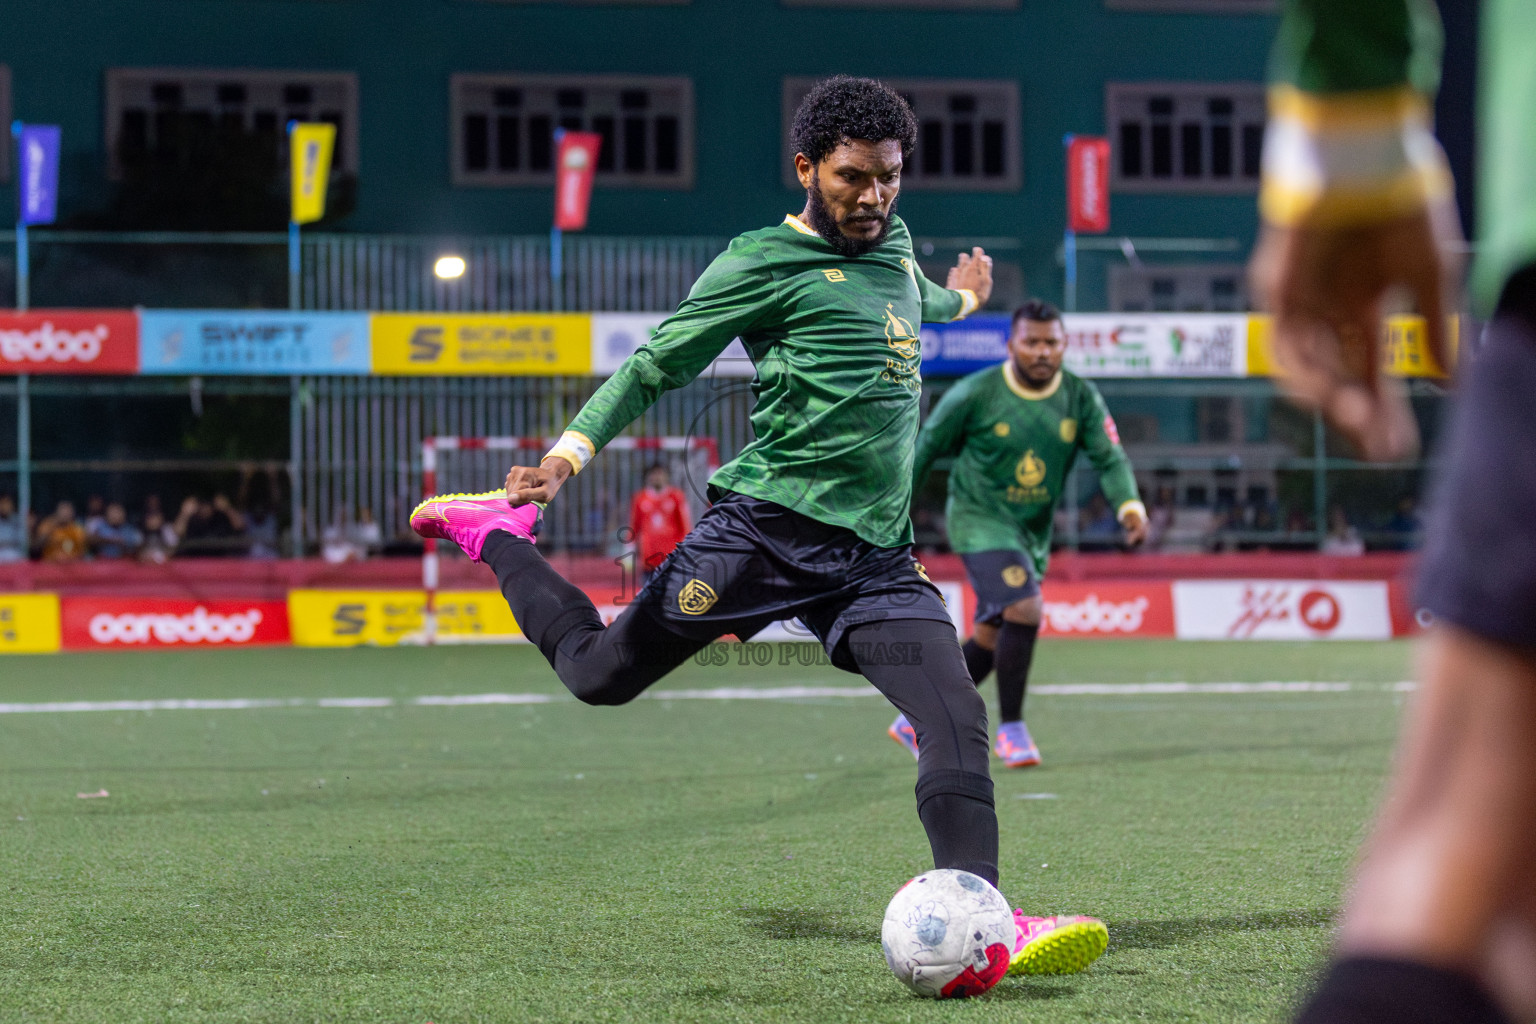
(591,515)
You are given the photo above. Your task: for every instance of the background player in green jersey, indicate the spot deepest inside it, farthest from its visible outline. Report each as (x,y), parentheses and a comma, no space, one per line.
(1016,430)
(812,520)
(1440,921)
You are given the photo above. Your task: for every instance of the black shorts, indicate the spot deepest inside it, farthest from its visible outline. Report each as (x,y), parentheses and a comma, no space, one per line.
(749,563)
(1000,578)
(1479,565)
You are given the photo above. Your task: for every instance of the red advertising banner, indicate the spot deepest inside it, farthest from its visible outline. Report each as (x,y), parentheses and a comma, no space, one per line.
(1088,184)
(94,623)
(576,163)
(1102,610)
(69,341)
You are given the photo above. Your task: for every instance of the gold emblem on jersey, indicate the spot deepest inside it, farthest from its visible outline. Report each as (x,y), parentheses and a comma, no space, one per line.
(921,570)
(899,334)
(1030,472)
(1015,576)
(696,597)
(1069,430)
(835,275)
(1000,429)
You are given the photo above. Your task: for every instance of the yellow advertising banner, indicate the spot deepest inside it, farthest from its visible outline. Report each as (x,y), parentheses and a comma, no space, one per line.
(29,623)
(383,618)
(1405,352)
(309,158)
(482,344)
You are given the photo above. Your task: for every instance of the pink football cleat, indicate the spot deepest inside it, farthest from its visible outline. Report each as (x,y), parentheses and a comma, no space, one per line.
(467,519)
(902,732)
(1056,945)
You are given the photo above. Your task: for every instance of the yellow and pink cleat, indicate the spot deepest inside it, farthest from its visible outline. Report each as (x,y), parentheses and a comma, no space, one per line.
(1056,945)
(467,519)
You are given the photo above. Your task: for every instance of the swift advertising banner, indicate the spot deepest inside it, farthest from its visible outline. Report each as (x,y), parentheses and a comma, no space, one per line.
(615,336)
(29,623)
(1103,345)
(69,341)
(97,623)
(1281,610)
(212,341)
(482,344)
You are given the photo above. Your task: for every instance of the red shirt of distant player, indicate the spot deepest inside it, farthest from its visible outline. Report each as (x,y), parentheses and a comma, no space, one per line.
(658,518)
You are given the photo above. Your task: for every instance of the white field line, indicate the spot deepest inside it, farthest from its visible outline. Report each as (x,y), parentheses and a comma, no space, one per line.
(725,693)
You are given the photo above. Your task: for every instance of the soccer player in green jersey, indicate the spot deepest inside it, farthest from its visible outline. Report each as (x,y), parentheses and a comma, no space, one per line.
(1016,430)
(812,519)
(1440,922)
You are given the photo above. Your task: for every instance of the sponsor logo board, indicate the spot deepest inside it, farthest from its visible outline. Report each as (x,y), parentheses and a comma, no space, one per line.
(1281,610)
(29,623)
(230,342)
(69,341)
(352,618)
(1103,345)
(91,623)
(488,344)
(1103,610)
(616,336)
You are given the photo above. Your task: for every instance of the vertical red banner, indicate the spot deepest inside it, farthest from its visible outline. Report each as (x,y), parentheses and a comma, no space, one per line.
(575,164)
(1088,184)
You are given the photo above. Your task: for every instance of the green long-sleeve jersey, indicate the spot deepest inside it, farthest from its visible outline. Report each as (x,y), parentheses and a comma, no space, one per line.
(835,344)
(1015,447)
(1349,130)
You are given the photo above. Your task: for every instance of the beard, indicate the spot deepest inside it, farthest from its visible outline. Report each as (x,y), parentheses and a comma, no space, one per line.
(828,226)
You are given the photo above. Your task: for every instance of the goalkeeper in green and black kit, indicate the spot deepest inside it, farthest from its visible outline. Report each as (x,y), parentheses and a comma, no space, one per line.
(1015,430)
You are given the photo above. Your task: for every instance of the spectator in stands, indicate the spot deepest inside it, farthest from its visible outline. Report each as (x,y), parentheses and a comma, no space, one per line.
(1098,530)
(61,536)
(336,545)
(114,536)
(159,538)
(1405,524)
(13,533)
(365,535)
(1342,539)
(658,520)
(95,515)
(261,530)
(210,528)
(1159,517)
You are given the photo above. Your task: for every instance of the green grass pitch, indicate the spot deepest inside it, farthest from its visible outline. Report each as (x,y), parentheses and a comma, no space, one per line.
(673,860)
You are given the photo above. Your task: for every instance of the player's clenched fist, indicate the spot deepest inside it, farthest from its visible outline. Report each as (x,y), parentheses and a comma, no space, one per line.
(536,483)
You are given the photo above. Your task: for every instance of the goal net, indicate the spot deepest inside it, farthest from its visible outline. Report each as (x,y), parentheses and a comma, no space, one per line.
(590,518)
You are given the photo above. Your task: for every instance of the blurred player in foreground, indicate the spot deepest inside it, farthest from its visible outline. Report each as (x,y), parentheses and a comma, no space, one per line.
(1017,429)
(1440,923)
(658,520)
(812,519)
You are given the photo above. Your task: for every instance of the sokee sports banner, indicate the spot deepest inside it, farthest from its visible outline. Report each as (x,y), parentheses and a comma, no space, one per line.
(29,623)
(537,344)
(1281,610)
(383,618)
(1103,345)
(222,342)
(94,623)
(615,336)
(69,341)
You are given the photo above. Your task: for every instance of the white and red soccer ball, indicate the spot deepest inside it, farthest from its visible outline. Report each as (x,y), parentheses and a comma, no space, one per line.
(948,934)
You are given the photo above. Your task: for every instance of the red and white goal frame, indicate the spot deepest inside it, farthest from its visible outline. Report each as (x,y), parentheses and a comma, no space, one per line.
(432,446)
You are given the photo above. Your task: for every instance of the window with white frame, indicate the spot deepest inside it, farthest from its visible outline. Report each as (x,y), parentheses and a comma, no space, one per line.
(504,127)
(5,123)
(173,113)
(967,133)
(1179,288)
(1185,136)
(1198,6)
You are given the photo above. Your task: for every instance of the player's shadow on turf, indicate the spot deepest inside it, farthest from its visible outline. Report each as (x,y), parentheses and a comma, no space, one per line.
(797,923)
(1162,934)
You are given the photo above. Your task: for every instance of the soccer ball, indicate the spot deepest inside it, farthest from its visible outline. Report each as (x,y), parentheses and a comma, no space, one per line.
(948,934)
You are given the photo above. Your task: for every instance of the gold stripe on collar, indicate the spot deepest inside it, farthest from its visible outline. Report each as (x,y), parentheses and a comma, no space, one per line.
(1027,393)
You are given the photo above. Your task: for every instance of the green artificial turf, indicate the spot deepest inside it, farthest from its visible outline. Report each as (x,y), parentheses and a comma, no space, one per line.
(673,860)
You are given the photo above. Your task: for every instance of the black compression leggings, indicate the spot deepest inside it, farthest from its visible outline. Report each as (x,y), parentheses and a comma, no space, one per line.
(915,663)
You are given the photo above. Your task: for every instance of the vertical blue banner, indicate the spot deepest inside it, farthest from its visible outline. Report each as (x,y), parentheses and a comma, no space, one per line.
(38,159)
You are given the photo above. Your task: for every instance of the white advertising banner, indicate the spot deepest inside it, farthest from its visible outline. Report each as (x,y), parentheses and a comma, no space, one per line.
(1157,344)
(1281,610)
(615,336)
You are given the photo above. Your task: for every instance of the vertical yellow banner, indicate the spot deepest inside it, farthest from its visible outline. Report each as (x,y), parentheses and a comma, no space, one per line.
(310,146)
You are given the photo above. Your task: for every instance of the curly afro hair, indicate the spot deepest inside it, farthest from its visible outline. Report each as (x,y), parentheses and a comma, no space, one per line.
(842,108)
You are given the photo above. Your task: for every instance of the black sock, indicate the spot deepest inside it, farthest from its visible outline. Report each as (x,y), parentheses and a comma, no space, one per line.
(545,604)
(957,813)
(978,660)
(1365,990)
(1015,650)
